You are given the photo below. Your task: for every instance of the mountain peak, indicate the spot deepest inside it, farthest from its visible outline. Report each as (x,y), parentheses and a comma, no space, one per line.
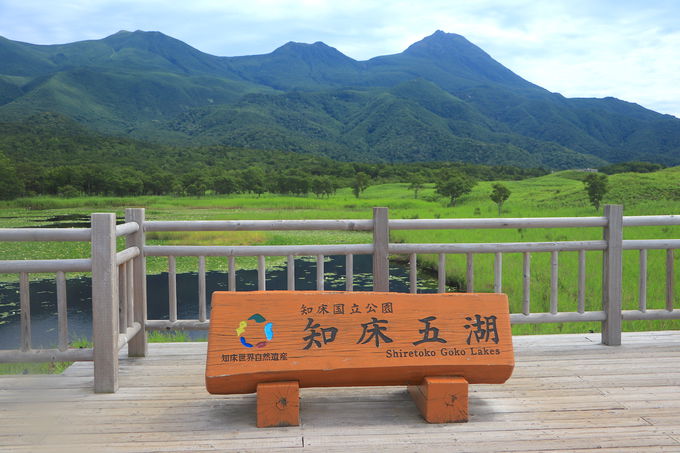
(441,44)
(155,50)
(458,56)
(138,38)
(304,45)
(319,51)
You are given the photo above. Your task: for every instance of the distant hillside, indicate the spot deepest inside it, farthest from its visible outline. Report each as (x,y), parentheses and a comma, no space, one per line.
(443,98)
(624,188)
(52,154)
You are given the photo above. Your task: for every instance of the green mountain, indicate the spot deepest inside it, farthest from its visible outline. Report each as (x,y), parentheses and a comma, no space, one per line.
(443,98)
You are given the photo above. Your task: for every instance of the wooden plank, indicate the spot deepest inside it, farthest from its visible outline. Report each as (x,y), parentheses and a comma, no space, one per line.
(612,275)
(62,311)
(172,288)
(137,346)
(517,440)
(349,272)
(554,268)
(581,281)
(441,273)
(526,279)
(104,302)
(470,273)
(130,287)
(670,279)
(232,273)
(319,272)
(261,273)
(290,272)
(202,306)
(381,239)
(177,444)
(122,298)
(25,307)
(413,273)
(642,282)
(498,272)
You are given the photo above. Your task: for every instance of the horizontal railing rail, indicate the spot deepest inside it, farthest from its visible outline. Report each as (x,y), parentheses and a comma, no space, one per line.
(470,224)
(522,222)
(498,247)
(651,220)
(126,255)
(47,355)
(258,225)
(45,234)
(257,250)
(45,266)
(126,229)
(651,244)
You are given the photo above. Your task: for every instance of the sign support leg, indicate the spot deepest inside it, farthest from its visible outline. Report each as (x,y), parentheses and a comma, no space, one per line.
(442,399)
(278,404)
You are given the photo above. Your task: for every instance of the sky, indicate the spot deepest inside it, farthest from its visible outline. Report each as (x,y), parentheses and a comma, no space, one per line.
(629,49)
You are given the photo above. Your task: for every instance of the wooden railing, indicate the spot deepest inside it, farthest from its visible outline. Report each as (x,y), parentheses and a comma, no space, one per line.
(119,278)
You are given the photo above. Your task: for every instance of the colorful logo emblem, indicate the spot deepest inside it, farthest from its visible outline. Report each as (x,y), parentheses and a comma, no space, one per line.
(268,331)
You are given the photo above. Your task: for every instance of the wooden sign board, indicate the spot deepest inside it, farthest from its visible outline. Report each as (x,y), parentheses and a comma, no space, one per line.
(329,339)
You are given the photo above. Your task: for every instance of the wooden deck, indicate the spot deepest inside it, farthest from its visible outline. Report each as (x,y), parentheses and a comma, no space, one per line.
(567,393)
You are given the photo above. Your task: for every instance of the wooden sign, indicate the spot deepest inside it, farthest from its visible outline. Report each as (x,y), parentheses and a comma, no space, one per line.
(323,339)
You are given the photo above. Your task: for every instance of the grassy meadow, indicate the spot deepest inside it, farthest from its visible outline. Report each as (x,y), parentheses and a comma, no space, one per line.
(555,195)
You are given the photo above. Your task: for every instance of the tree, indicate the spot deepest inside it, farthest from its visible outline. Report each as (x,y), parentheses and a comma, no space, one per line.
(322,186)
(10,185)
(498,195)
(157,182)
(597,187)
(226,183)
(454,185)
(417,182)
(360,183)
(196,182)
(254,180)
(293,182)
(68,191)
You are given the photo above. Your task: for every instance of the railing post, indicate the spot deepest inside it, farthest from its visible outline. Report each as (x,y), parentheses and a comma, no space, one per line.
(381,239)
(137,346)
(104,303)
(612,265)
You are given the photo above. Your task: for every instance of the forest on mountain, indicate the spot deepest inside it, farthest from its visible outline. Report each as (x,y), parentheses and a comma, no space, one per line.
(53,155)
(441,100)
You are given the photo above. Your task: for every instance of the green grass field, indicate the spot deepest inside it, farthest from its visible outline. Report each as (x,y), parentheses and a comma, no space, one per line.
(556,195)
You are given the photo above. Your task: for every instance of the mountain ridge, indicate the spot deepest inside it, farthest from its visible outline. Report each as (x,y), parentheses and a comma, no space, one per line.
(442,98)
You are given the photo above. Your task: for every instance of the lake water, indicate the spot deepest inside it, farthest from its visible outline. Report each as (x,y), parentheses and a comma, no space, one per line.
(44,332)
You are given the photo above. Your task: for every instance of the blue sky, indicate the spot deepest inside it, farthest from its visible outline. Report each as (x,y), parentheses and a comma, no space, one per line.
(629,49)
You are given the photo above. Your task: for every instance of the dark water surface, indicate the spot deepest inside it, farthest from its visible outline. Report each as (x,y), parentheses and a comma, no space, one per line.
(44,332)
